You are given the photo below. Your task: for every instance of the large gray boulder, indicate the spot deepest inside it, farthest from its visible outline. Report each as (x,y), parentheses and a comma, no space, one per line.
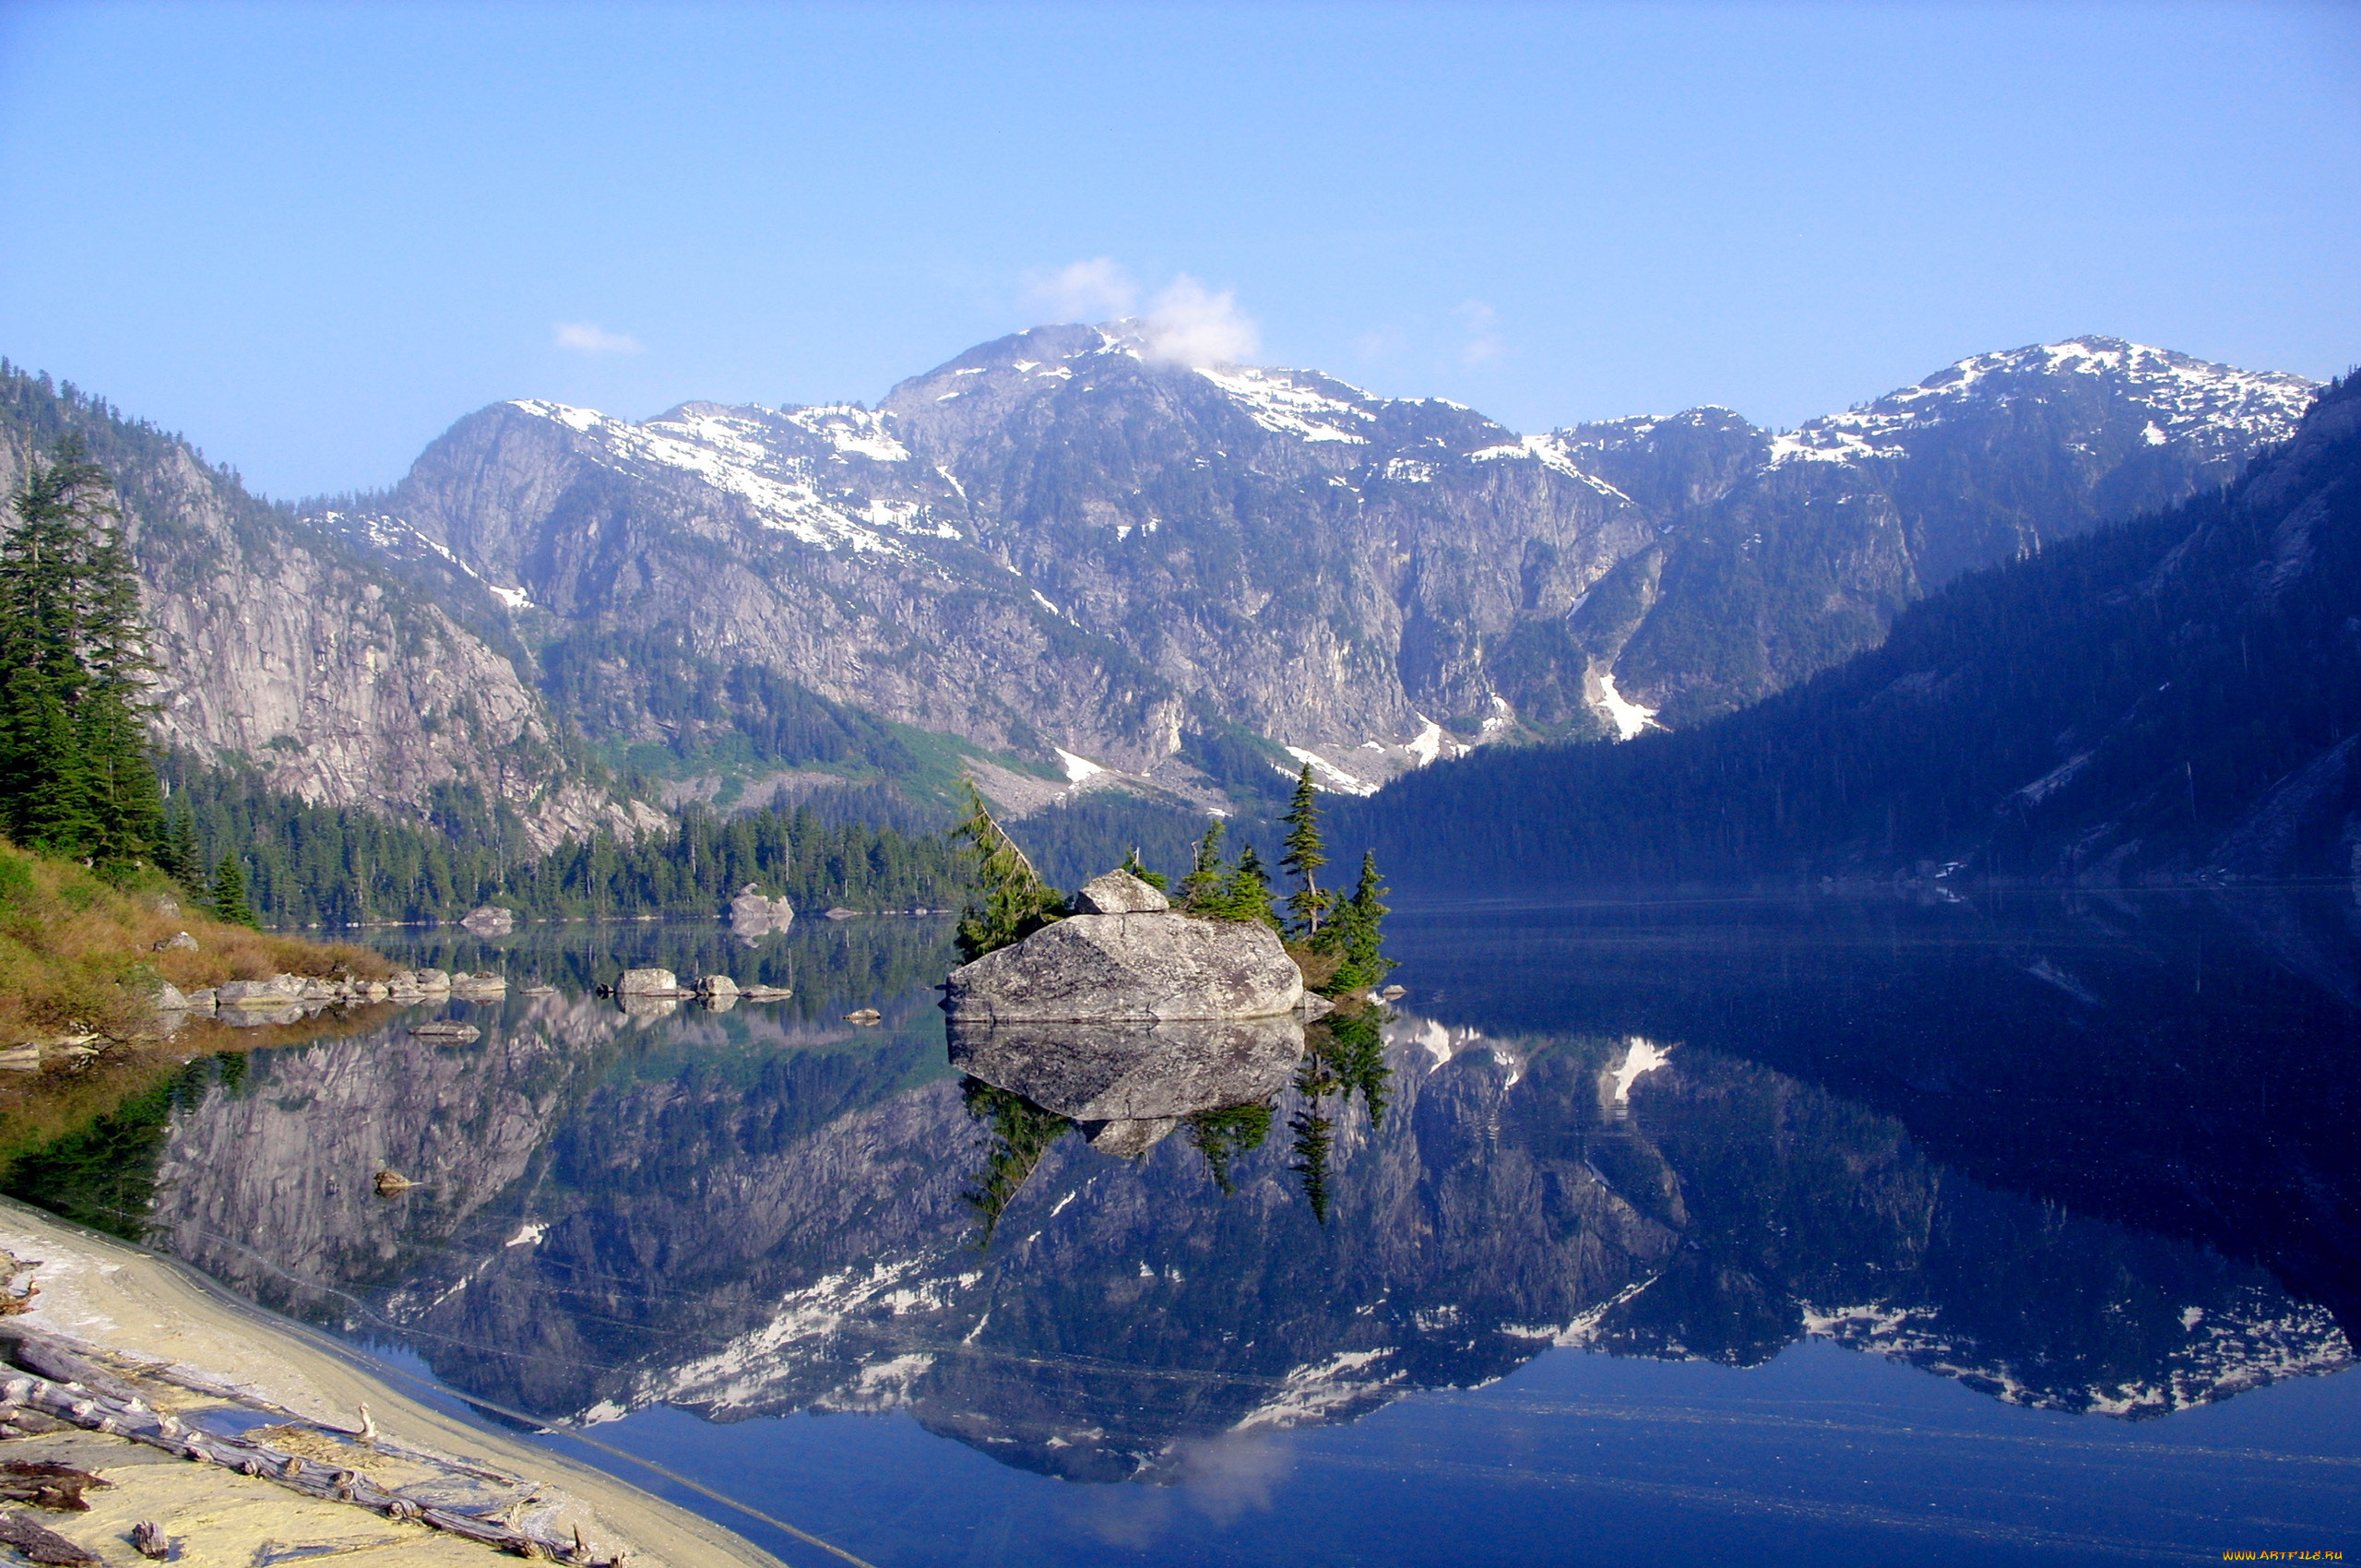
(275,992)
(1150,967)
(491,920)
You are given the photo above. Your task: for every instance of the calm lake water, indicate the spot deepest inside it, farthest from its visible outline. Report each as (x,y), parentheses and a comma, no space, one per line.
(1832,1231)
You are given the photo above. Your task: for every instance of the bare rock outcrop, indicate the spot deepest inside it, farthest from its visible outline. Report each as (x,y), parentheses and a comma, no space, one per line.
(1147,967)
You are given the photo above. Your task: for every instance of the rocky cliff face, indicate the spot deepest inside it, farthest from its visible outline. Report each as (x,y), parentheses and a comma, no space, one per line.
(285,649)
(1058,546)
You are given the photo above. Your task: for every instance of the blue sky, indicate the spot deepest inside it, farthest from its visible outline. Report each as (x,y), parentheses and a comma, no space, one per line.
(310,237)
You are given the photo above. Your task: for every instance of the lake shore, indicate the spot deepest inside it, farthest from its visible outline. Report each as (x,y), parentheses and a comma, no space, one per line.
(212,1364)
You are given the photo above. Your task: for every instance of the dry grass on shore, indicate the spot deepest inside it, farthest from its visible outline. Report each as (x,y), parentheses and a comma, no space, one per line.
(80,956)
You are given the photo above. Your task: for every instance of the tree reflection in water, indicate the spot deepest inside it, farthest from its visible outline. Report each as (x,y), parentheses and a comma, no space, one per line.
(1021,1134)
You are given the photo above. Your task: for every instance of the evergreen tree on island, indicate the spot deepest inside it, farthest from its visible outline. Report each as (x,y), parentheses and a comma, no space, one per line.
(1013,901)
(1305,855)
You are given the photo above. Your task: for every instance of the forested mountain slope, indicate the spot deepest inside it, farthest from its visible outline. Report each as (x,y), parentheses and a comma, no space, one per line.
(2179,695)
(283,649)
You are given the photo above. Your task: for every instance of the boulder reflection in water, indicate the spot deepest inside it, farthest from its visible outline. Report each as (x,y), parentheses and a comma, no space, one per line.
(1129,1084)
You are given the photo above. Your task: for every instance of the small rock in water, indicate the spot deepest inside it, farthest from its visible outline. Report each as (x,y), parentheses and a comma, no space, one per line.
(446,1032)
(865,1015)
(1391,993)
(393,1183)
(751,914)
(840,913)
(491,920)
(647,982)
(717,985)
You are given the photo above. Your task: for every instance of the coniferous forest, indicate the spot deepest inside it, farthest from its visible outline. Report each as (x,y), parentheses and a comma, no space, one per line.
(328,866)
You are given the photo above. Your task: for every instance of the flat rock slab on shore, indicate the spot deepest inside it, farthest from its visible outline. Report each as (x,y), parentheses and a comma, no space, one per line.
(209,1363)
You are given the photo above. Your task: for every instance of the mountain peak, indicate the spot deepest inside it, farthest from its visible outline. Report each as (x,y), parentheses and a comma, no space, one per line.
(2214,408)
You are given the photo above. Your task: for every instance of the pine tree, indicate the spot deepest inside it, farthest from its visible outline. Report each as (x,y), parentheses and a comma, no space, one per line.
(1304,857)
(1201,888)
(120,776)
(230,903)
(1013,902)
(75,772)
(1364,944)
(177,854)
(1154,879)
(1246,895)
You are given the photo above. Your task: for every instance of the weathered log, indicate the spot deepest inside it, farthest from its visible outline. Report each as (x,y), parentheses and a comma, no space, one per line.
(40,1543)
(133,1419)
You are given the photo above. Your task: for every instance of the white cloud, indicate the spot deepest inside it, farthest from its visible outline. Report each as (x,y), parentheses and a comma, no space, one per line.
(589,337)
(1483,333)
(1188,324)
(1088,290)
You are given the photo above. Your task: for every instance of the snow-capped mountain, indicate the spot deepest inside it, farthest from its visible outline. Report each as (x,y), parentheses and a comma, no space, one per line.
(1114,567)
(1079,565)
(2217,413)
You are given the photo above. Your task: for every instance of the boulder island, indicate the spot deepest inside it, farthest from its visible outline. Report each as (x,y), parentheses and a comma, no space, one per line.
(1128,957)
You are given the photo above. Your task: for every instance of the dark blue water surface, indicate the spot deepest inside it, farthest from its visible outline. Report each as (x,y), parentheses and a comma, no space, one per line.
(1832,1230)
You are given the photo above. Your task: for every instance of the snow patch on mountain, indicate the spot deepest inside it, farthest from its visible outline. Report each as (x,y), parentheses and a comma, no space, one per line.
(739,451)
(1278,401)
(1552,451)
(849,429)
(1326,775)
(1627,717)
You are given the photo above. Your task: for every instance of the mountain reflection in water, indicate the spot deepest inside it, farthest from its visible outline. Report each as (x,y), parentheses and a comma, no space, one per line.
(770,1210)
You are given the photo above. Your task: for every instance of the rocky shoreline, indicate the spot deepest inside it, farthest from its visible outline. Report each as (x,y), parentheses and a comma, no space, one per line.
(193,1428)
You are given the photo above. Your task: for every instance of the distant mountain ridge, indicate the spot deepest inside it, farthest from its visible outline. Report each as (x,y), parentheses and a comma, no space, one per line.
(1067,564)
(2176,697)
(1059,548)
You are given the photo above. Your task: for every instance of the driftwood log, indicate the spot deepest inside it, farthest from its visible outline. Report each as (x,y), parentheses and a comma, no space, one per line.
(80,1406)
